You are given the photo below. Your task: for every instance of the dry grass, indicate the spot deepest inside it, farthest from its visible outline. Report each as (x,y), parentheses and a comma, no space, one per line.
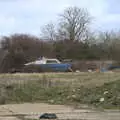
(61,88)
(76,79)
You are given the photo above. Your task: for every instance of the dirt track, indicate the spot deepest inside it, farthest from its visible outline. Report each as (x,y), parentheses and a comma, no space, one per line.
(20,111)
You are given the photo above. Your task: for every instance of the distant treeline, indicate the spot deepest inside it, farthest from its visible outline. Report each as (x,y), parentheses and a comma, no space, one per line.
(20,48)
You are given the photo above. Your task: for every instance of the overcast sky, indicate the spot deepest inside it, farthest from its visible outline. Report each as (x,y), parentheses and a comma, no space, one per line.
(27,16)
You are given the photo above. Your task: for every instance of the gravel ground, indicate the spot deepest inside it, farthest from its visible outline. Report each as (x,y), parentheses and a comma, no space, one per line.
(33,111)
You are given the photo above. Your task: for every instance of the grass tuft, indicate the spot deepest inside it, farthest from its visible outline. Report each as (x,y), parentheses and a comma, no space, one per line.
(102,91)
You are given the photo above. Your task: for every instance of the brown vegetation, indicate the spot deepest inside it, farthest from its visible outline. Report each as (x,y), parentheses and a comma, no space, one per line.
(72,39)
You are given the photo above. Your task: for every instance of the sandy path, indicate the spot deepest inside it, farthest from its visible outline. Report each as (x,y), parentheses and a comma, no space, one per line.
(7,112)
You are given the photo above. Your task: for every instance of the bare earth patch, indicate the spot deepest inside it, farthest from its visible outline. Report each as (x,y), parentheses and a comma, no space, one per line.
(33,111)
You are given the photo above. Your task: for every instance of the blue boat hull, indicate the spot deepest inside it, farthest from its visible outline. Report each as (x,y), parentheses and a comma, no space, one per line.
(55,67)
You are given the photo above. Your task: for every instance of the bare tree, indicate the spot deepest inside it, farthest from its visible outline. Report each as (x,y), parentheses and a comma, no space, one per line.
(48,32)
(74,23)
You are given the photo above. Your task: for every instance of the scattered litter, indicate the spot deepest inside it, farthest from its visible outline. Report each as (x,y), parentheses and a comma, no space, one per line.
(48,116)
(106,92)
(77,71)
(103,70)
(73,96)
(51,101)
(89,70)
(68,97)
(73,90)
(102,99)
